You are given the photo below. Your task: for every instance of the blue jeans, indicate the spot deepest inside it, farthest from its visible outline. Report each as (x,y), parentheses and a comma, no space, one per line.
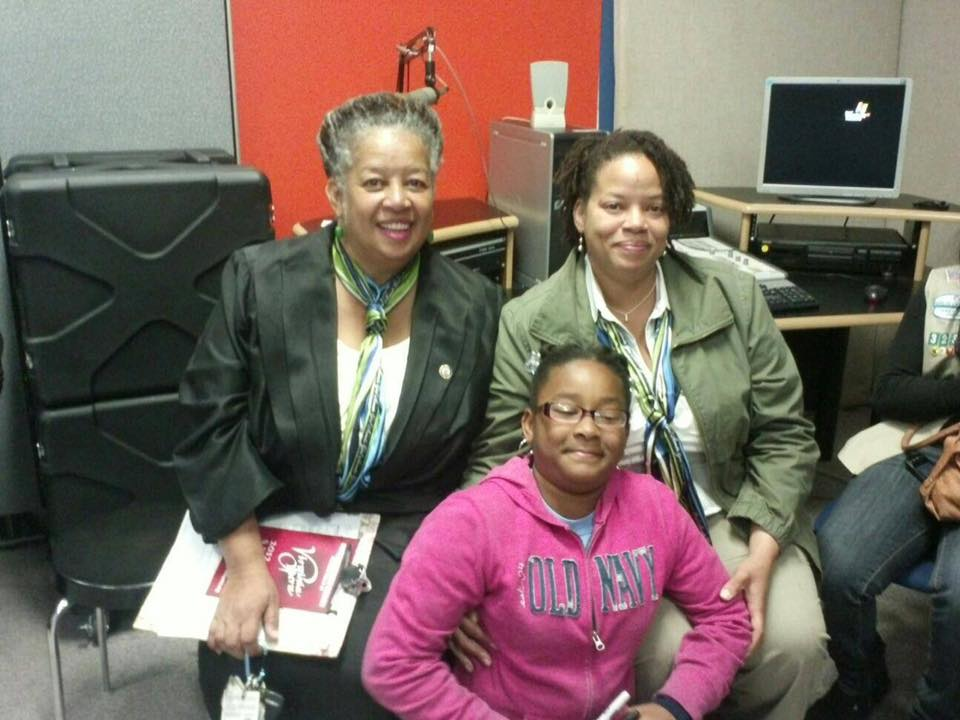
(878,529)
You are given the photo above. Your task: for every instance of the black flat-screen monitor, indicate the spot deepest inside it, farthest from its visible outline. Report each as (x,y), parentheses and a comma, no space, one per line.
(833,139)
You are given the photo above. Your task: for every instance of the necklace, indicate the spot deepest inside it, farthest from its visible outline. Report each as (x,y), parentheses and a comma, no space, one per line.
(626,313)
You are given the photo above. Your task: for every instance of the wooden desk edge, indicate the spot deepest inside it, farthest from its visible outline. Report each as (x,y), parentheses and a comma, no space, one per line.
(823,322)
(452,232)
(787,208)
(748,210)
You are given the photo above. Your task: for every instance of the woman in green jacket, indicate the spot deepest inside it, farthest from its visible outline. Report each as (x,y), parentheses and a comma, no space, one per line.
(718,415)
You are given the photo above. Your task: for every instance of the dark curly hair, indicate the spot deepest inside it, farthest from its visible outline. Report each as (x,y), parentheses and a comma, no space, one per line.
(577,174)
(559,355)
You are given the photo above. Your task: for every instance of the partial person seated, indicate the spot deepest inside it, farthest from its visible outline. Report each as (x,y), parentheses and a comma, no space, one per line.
(879,527)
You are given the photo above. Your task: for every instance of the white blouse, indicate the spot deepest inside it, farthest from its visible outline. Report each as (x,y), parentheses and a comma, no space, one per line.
(394,366)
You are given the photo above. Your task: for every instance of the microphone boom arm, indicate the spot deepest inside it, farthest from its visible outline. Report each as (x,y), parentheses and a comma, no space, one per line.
(423,43)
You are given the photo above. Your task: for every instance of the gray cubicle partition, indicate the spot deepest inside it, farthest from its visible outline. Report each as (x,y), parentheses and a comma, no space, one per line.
(108,75)
(93,76)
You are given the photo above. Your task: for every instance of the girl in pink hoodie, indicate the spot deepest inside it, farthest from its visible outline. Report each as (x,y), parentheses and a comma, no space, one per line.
(566,558)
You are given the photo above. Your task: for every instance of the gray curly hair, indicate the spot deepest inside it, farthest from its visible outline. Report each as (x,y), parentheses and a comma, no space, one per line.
(343,126)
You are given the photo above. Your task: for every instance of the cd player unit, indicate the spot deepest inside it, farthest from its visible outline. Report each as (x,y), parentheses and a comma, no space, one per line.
(866,251)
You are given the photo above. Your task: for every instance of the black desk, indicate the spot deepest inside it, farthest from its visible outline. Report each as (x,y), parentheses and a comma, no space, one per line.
(843,302)
(819,339)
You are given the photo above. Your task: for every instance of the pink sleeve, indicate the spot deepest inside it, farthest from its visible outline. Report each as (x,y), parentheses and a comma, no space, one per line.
(716,646)
(440,579)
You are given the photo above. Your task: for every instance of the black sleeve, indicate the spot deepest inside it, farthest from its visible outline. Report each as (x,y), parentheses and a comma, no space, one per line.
(672,706)
(902,391)
(221,472)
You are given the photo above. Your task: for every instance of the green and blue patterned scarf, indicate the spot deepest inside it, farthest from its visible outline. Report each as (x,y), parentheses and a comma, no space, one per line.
(663,451)
(364,435)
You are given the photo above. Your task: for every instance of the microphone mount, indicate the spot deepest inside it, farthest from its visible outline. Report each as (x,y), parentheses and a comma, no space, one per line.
(423,43)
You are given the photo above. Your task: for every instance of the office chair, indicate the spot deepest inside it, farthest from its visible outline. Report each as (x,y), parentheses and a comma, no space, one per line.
(915,578)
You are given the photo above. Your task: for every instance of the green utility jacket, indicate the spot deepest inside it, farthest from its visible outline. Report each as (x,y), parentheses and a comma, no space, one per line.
(731,362)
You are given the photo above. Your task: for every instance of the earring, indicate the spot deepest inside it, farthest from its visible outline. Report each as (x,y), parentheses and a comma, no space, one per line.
(580,245)
(529,450)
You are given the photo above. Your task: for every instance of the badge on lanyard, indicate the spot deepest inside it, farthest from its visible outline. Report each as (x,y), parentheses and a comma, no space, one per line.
(250,699)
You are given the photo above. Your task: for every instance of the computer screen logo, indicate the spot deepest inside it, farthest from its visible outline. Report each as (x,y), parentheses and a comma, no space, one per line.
(858,114)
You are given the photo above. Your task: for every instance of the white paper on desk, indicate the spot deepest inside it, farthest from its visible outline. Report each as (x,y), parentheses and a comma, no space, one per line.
(180,603)
(879,442)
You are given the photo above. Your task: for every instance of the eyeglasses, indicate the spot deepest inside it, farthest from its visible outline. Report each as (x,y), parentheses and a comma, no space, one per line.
(569,414)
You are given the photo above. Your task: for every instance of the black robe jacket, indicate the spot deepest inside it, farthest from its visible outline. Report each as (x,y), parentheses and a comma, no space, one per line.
(261,392)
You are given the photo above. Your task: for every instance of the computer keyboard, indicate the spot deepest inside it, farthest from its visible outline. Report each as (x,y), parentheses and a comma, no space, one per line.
(784,296)
(715,249)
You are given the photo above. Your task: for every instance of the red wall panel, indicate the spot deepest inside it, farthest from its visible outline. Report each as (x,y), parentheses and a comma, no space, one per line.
(296,59)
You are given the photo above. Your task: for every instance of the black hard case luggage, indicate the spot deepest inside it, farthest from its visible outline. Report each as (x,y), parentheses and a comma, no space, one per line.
(122,159)
(115,261)
(101,457)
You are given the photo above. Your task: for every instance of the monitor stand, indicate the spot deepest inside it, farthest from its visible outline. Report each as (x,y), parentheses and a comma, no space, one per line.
(829,199)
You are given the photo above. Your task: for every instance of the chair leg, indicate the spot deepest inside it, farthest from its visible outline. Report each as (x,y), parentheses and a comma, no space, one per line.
(54,648)
(102,642)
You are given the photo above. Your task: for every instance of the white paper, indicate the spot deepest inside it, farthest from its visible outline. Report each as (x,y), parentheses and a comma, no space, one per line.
(178,604)
(879,442)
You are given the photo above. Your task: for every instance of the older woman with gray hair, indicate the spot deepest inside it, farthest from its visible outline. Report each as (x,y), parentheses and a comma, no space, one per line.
(273,394)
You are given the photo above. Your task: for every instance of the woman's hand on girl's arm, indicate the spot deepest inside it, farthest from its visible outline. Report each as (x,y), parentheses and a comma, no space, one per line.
(752,577)
(469,643)
(249,597)
(648,711)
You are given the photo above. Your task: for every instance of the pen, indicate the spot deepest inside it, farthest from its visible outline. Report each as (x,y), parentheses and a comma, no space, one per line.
(618,702)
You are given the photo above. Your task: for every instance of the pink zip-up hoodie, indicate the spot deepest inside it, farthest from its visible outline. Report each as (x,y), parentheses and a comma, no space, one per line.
(566,621)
